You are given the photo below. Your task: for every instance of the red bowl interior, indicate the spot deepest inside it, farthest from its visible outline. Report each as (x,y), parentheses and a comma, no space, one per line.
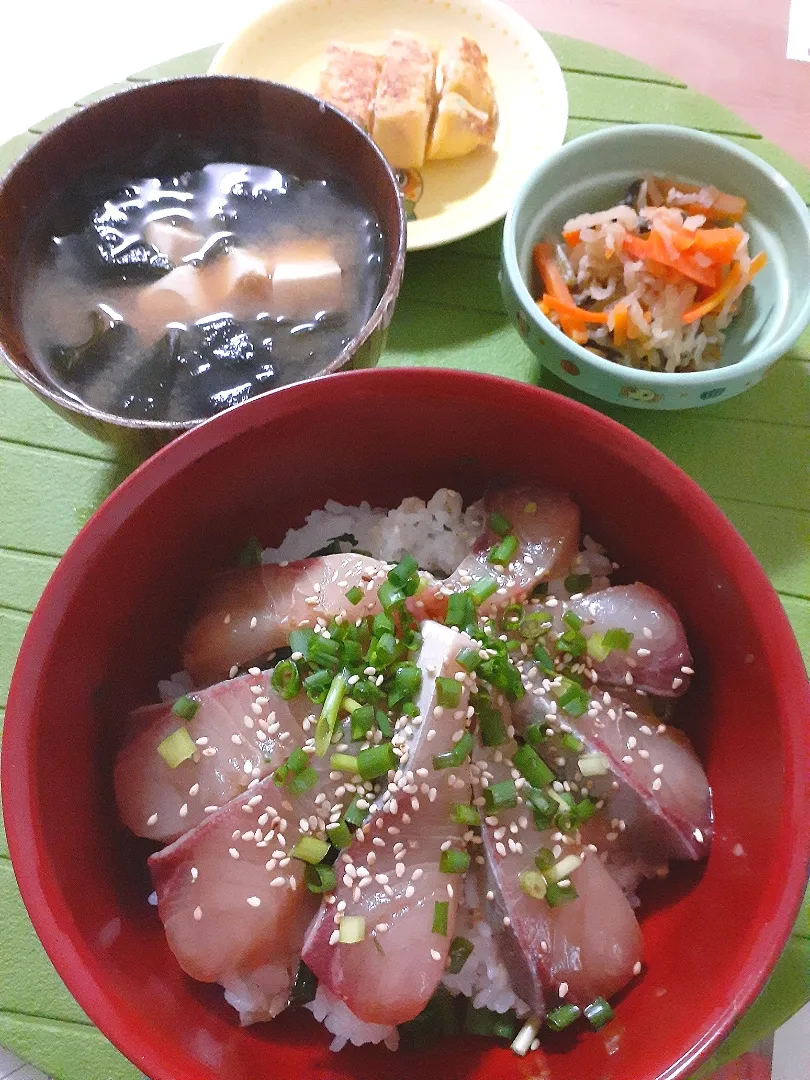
(108,625)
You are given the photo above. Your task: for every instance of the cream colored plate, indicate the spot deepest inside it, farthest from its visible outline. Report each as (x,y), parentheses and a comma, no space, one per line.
(445,200)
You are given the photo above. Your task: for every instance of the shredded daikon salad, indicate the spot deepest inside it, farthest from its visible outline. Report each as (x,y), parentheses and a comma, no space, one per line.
(654,281)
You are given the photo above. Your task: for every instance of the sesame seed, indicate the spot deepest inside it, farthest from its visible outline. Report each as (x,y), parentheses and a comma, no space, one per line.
(738,849)
(209,751)
(254,901)
(277,882)
(197,913)
(233,672)
(184,810)
(637,967)
(400,869)
(507,921)
(334,937)
(152,820)
(628,759)
(656,784)
(563,989)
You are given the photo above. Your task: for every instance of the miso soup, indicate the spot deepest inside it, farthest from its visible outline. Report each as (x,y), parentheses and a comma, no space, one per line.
(173,295)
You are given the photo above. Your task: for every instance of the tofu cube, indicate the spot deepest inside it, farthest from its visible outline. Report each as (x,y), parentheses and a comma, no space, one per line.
(305,287)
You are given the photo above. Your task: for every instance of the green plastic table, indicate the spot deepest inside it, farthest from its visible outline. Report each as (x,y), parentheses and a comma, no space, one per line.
(752,454)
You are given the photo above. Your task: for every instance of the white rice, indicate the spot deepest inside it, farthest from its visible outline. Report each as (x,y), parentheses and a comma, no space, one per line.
(438,533)
(345,1026)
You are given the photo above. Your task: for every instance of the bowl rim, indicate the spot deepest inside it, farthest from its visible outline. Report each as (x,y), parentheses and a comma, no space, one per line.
(376,319)
(52,920)
(758,358)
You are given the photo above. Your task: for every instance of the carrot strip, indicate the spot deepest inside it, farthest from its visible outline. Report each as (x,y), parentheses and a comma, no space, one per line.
(620,324)
(653,250)
(571,237)
(717,298)
(724,206)
(757,263)
(719,244)
(578,313)
(545,262)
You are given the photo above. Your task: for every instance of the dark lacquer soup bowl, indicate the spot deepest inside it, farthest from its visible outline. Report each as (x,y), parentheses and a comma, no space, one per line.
(129,227)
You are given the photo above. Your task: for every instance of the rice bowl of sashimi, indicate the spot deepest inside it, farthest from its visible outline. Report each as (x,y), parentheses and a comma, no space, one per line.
(440,749)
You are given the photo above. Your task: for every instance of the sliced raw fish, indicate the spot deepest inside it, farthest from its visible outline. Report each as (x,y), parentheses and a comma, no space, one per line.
(240,731)
(586,948)
(234,902)
(248,612)
(658,659)
(546,524)
(391,877)
(652,782)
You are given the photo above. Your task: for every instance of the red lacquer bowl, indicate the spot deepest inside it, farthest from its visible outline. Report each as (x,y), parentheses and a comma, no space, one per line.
(107,628)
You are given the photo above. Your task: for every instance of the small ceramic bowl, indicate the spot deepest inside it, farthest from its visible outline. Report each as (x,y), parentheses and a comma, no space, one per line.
(593,173)
(126,128)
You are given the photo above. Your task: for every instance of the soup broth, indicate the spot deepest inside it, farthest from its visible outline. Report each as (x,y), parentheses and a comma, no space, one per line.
(182,292)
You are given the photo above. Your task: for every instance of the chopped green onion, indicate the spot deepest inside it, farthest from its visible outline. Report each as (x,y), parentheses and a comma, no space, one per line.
(544,661)
(557,895)
(469,659)
(412,639)
(304,781)
(502,553)
(535,624)
(563,869)
(454,861)
(251,553)
(323,651)
(382,624)
(310,849)
(596,647)
(577,583)
(482,589)
(533,884)
(281,774)
(525,1037)
(532,767)
(455,757)
(355,594)
(584,810)
(594,765)
(405,569)
(535,734)
(572,642)
(491,725)
(320,878)
(177,748)
(297,761)
(464,814)
(339,834)
(440,917)
(561,1018)
(355,815)
(540,803)
(618,639)
(460,950)
(572,620)
(352,929)
(409,708)
(300,639)
(374,761)
(344,763)
(460,610)
(349,705)
(361,722)
(569,741)
(448,692)
(317,685)
(383,724)
(186,707)
(512,616)
(390,596)
(406,683)
(286,680)
(325,727)
(598,1013)
(381,651)
(544,859)
(574,700)
(501,796)
(490,1024)
(498,523)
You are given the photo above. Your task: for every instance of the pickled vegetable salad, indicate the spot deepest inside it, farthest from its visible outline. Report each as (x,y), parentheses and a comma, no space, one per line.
(429,810)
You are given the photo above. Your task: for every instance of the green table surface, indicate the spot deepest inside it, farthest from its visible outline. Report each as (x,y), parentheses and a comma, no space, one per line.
(751,453)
